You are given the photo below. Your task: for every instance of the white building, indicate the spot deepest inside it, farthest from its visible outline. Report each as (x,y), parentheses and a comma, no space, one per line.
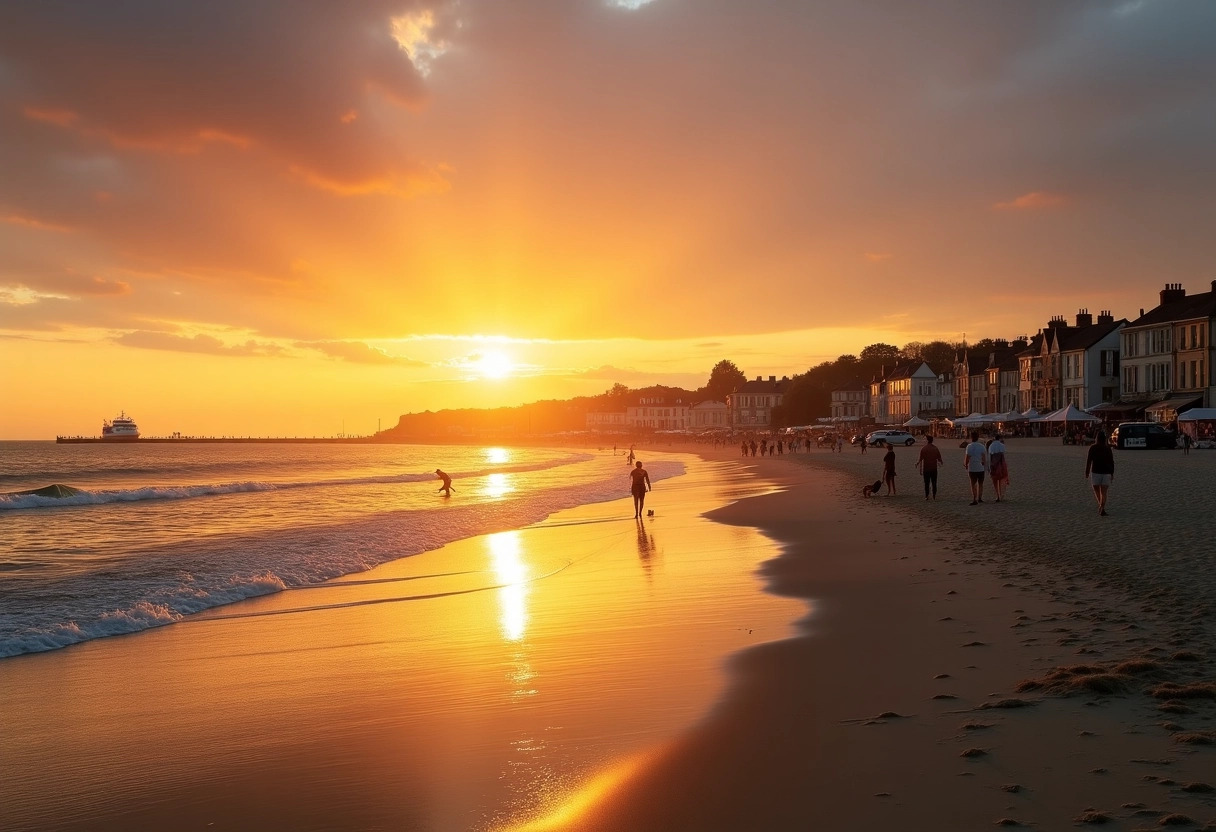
(1089,360)
(709,415)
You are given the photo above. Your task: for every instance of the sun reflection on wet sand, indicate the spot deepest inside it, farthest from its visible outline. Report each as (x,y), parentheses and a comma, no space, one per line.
(498,456)
(510,570)
(581,803)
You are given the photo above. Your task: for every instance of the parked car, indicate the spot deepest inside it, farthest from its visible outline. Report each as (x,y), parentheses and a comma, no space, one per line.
(1143,435)
(895,437)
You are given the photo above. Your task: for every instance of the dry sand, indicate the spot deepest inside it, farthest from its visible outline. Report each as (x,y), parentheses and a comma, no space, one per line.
(886,709)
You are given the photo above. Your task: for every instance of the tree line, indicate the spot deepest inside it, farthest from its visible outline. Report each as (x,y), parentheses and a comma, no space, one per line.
(808,396)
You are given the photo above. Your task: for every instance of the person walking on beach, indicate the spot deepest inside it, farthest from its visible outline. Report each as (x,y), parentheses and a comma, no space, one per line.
(446,488)
(629,459)
(998,467)
(863,443)
(1100,469)
(1186,444)
(888,469)
(930,458)
(975,460)
(639,484)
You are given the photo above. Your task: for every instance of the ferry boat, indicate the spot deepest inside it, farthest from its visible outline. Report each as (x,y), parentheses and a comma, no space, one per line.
(121,429)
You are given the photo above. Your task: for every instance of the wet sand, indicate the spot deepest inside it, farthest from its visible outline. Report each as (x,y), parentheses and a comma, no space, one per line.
(452,690)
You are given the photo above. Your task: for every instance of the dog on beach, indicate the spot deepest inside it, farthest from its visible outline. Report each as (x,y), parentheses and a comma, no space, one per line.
(871,490)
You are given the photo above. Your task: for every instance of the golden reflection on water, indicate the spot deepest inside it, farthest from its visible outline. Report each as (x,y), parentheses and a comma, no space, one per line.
(498,455)
(513,573)
(498,485)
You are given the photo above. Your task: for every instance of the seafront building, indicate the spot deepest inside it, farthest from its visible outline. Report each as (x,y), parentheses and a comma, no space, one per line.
(752,402)
(1089,360)
(709,414)
(1001,376)
(970,382)
(851,402)
(1167,355)
(906,390)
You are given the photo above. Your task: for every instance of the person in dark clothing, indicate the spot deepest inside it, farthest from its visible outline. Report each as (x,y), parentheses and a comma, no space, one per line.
(1100,469)
(639,484)
(446,488)
(930,458)
(888,469)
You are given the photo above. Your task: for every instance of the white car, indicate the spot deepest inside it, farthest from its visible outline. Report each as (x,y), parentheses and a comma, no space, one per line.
(895,437)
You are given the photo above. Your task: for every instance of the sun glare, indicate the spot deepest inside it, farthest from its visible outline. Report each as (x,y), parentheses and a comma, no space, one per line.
(493,365)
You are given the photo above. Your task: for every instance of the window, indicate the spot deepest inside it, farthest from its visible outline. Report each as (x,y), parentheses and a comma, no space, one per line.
(1194,334)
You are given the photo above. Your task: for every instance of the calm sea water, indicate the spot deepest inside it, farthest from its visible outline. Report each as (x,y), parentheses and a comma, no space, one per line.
(163,531)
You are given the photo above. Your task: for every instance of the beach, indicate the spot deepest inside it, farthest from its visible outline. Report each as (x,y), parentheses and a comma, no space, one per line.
(771,651)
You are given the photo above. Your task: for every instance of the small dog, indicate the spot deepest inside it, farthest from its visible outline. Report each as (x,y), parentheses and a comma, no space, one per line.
(650,512)
(871,490)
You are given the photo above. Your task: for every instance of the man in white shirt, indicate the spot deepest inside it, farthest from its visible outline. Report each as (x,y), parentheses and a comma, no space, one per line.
(975,461)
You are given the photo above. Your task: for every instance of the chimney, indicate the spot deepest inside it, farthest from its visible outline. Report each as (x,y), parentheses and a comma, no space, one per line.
(772,378)
(1056,321)
(1141,311)
(1214,285)
(1021,342)
(1105,317)
(759,378)
(1084,318)
(1172,293)
(1002,343)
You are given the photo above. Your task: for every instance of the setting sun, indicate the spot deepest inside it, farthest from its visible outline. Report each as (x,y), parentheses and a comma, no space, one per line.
(493,365)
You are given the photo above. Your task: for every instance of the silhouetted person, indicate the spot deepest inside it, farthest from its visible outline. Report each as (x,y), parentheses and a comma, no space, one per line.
(639,484)
(446,488)
(1100,469)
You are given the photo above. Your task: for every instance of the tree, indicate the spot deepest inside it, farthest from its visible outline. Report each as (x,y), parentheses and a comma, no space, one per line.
(880,354)
(723,379)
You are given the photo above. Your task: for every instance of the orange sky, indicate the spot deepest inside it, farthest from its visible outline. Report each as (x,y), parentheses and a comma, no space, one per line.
(304,217)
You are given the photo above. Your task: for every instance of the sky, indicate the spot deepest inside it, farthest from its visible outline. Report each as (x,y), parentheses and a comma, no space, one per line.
(300,217)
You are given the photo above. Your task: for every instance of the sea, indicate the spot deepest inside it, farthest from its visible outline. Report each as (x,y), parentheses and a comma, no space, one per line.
(163,531)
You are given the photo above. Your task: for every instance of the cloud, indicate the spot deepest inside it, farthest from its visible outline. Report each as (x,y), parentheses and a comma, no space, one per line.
(1033,201)
(37,224)
(200,343)
(75,286)
(358,353)
(875,257)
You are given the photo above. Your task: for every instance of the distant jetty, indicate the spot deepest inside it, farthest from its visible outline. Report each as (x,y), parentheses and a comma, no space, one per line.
(226,440)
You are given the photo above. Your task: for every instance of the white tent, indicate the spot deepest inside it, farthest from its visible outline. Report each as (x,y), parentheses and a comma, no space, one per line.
(1031,414)
(1197,414)
(1011,416)
(974,420)
(1068,414)
(916,422)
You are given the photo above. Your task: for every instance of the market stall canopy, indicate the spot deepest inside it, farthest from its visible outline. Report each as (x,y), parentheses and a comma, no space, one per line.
(1198,414)
(1172,405)
(1011,416)
(1031,414)
(1068,414)
(916,422)
(973,421)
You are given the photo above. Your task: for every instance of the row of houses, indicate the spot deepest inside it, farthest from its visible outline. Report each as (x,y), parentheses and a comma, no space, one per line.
(1157,365)
(677,411)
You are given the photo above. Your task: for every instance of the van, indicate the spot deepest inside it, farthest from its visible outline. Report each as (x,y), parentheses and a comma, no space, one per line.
(1143,435)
